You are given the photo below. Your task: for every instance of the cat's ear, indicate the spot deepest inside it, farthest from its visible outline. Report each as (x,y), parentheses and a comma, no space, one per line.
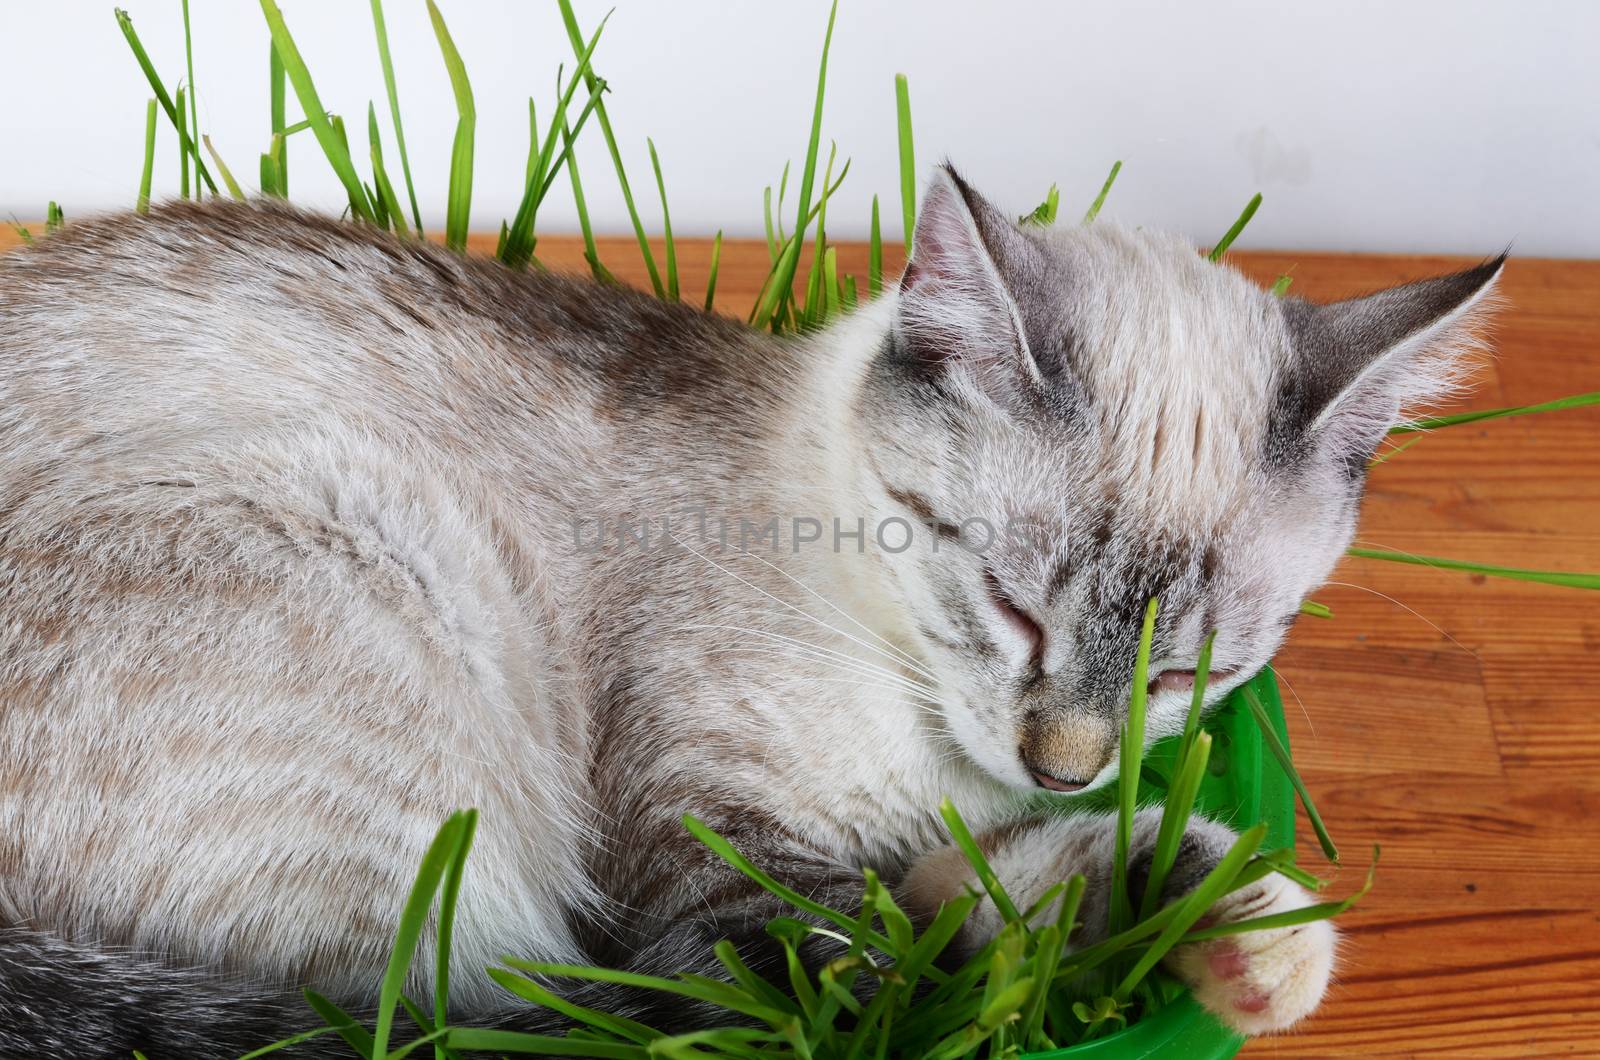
(1358,365)
(955,307)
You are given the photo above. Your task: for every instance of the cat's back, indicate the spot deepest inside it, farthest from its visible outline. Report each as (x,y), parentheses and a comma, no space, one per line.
(265,309)
(264,570)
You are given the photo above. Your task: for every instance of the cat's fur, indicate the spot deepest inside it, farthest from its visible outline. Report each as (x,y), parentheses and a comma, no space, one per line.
(310,535)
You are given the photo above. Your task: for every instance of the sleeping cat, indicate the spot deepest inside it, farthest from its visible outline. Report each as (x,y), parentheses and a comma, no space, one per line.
(310,535)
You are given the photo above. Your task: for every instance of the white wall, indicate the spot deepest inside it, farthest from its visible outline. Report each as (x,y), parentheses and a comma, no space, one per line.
(1450,125)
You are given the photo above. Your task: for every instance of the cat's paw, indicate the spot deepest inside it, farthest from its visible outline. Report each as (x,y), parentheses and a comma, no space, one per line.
(1260,981)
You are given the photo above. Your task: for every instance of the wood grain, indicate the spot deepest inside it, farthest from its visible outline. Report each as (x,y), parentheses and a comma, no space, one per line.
(1451,718)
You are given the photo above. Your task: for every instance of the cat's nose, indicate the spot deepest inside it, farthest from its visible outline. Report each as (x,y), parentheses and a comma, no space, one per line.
(1064,753)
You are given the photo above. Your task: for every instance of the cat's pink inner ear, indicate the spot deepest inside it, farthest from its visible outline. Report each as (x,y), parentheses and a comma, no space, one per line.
(945,247)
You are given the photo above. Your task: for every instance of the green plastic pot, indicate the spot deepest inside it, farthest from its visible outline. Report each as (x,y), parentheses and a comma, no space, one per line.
(1245,785)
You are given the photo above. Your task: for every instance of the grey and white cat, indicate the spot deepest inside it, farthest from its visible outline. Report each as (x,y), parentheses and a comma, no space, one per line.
(310,535)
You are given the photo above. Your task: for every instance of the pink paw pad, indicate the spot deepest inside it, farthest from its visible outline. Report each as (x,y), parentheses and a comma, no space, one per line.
(1228,963)
(1252,1001)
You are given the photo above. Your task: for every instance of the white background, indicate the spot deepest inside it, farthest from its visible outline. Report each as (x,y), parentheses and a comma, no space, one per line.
(1448,125)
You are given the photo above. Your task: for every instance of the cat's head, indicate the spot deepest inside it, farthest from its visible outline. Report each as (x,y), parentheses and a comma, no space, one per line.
(1104,416)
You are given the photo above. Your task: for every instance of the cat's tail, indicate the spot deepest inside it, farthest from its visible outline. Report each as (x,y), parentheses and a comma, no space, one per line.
(61,1001)
(65,1001)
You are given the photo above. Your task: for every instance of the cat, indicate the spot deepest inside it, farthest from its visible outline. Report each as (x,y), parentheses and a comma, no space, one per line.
(310,535)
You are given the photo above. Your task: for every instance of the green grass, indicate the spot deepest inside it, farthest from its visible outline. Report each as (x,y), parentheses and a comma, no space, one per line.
(892,990)
(1105,189)
(1231,234)
(380,30)
(1576,401)
(458,209)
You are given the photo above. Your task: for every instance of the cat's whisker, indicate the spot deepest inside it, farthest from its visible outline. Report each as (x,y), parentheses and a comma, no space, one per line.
(904,687)
(905,656)
(1304,712)
(853,660)
(844,657)
(861,684)
(786,604)
(1406,607)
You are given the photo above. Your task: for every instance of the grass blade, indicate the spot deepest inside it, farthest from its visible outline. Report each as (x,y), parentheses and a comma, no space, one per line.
(1569,579)
(783,189)
(729,853)
(808,173)
(470,1040)
(980,864)
(142,205)
(1177,809)
(1269,736)
(381,31)
(1227,239)
(591,253)
(1194,905)
(832,293)
(908,158)
(1314,609)
(194,99)
(1105,189)
(815,311)
(273,180)
(874,254)
(768,309)
(222,168)
(697,988)
(666,225)
(520,240)
(1197,701)
(1393,451)
(183,149)
(423,1021)
(1576,401)
(782,284)
(458,208)
(716,263)
(1194,752)
(413,916)
(282,1043)
(275,76)
(187,146)
(766,217)
(1280,286)
(1132,754)
(337,152)
(342,1023)
(1045,213)
(937,936)
(575,38)
(529,990)
(451,891)
(390,213)
(751,981)
(1291,918)
(1048,958)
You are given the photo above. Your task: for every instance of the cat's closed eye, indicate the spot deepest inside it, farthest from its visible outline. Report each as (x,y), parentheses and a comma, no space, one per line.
(1018,619)
(1183,680)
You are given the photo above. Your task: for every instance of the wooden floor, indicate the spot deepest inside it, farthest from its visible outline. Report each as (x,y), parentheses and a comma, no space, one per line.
(1453,719)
